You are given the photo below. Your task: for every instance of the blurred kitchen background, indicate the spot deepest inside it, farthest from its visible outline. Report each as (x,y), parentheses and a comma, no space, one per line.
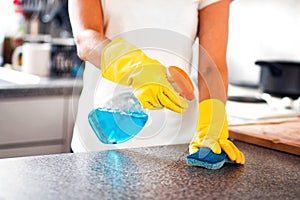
(39,21)
(37,107)
(261,30)
(37,113)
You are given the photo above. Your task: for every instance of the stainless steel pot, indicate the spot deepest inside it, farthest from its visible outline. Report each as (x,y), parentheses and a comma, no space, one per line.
(280,78)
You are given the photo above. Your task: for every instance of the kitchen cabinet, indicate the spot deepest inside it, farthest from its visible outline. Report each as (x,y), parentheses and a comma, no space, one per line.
(39,122)
(31,119)
(35,126)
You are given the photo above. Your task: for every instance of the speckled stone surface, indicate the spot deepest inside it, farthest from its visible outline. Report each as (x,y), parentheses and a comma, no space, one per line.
(46,87)
(150,173)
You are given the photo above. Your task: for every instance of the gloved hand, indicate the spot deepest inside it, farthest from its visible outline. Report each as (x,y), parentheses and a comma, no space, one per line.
(212,131)
(125,64)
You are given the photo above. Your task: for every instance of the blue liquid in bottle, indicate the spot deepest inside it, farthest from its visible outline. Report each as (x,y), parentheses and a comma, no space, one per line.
(119,121)
(123,117)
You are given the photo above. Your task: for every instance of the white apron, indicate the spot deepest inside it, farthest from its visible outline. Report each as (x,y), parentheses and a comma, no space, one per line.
(167,36)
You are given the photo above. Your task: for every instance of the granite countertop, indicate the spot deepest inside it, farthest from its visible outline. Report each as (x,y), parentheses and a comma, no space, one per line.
(45,87)
(149,173)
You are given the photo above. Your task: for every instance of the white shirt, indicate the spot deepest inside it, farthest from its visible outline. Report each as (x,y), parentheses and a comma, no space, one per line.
(165,30)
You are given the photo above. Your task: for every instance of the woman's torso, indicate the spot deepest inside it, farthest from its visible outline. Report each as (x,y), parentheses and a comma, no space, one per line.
(165,30)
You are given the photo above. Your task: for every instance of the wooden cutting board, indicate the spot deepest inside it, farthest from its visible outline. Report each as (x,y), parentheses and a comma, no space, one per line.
(280,134)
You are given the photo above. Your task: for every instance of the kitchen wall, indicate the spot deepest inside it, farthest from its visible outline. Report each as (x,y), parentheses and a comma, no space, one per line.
(8,19)
(261,29)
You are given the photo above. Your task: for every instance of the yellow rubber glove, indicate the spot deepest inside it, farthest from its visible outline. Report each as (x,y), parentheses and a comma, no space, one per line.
(125,64)
(212,131)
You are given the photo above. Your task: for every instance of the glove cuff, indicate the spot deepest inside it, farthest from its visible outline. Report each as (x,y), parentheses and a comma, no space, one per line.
(211,110)
(96,53)
(121,61)
(212,119)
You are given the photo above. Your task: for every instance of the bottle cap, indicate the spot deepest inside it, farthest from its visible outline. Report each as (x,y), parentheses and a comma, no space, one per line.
(181,82)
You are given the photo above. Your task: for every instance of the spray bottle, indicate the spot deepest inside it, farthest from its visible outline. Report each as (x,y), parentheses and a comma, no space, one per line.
(123,117)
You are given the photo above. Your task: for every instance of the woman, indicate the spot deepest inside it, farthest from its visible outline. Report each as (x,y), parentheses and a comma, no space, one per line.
(163,32)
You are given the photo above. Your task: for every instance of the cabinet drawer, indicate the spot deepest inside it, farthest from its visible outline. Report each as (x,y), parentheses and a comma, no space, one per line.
(31,119)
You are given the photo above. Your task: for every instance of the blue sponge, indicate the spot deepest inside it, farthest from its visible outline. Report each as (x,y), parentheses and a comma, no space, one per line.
(204,157)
